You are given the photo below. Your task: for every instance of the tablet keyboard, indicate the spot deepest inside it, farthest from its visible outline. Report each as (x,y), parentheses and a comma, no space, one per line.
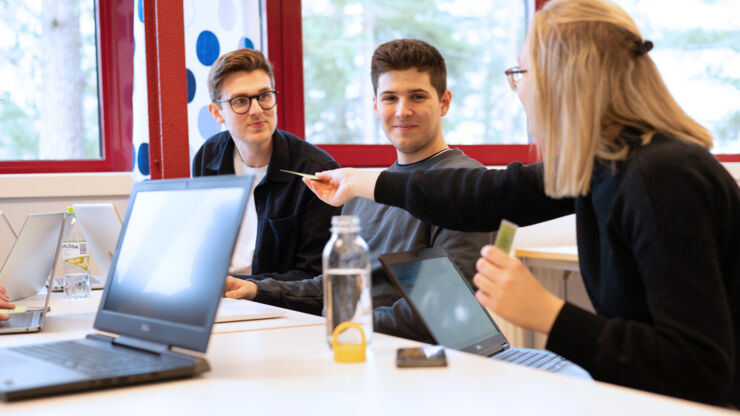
(544,360)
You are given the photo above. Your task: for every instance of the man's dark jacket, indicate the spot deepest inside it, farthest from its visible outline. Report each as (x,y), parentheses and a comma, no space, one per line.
(293,223)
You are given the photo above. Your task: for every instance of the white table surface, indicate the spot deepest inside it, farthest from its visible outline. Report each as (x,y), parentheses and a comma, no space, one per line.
(289,369)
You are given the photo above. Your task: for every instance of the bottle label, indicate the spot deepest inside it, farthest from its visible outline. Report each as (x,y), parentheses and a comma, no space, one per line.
(75,255)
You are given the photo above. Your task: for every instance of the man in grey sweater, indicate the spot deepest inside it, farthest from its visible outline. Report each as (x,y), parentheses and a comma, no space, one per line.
(411,97)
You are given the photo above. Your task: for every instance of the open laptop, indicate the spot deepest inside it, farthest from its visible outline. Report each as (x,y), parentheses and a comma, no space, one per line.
(163,289)
(28,267)
(444,300)
(101,226)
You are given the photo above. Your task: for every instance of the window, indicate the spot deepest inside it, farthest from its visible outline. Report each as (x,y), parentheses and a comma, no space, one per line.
(285,50)
(696,51)
(49,111)
(478,43)
(285,38)
(53,99)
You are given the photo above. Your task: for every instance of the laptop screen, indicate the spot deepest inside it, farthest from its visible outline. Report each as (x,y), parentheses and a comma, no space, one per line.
(172,257)
(443,299)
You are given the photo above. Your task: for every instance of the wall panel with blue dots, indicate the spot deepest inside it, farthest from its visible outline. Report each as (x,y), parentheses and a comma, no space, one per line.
(212,28)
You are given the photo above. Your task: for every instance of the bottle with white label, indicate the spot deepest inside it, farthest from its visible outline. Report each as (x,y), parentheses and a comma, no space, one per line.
(346,275)
(76,260)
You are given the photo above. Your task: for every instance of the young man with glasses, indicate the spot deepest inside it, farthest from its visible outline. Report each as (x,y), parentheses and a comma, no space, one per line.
(285,225)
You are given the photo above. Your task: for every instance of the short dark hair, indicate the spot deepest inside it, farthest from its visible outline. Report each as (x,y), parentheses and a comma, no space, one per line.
(401,54)
(247,60)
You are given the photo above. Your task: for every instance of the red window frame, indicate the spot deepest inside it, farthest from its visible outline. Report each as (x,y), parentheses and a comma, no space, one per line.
(115,25)
(285,51)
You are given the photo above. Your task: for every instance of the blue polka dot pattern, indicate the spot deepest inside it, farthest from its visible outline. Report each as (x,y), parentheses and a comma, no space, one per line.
(245,43)
(191,85)
(207,125)
(207,47)
(227,14)
(143,159)
(140,6)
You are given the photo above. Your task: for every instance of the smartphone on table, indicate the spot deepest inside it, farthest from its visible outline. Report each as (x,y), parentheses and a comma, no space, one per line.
(427,356)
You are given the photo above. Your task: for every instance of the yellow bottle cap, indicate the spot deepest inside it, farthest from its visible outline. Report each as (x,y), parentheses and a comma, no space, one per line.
(348,353)
(70,210)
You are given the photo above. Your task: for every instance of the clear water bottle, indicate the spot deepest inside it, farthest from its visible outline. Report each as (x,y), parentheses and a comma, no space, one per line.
(346,270)
(76,260)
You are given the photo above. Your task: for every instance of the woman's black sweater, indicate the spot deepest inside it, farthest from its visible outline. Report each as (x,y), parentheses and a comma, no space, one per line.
(659,252)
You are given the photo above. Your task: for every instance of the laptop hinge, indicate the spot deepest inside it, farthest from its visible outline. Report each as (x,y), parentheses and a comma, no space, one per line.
(502,347)
(141,344)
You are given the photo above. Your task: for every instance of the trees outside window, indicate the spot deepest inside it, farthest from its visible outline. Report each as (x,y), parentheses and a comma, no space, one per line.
(479,40)
(49,107)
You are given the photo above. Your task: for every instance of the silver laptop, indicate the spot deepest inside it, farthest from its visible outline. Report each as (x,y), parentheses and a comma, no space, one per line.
(28,268)
(101,226)
(443,299)
(156,312)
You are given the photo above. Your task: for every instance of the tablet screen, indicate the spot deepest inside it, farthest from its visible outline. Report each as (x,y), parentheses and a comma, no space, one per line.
(445,302)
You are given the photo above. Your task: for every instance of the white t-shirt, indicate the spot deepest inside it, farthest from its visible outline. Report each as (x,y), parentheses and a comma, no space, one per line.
(241,261)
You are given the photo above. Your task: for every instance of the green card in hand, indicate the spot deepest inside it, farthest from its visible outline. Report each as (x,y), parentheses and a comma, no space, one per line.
(307,175)
(505,236)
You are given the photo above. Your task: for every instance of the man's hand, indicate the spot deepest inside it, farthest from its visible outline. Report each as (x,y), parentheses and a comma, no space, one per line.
(239,289)
(4,303)
(336,187)
(510,290)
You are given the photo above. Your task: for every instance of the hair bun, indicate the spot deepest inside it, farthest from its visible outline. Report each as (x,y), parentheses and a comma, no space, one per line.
(642,47)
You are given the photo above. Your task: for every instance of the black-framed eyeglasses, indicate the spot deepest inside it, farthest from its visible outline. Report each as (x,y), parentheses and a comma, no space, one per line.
(242,103)
(514,75)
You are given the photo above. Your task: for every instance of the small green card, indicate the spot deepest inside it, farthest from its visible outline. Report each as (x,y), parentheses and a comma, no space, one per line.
(505,236)
(18,309)
(307,175)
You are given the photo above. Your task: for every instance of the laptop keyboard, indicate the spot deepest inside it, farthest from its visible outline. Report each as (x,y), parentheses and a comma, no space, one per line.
(100,361)
(19,320)
(544,360)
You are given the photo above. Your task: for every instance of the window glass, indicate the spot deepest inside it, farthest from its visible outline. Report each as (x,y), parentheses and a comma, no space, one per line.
(48,80)
(479,40)
(697,50)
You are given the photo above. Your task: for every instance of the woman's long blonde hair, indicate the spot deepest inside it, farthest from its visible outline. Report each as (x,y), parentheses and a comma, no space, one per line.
(589,82)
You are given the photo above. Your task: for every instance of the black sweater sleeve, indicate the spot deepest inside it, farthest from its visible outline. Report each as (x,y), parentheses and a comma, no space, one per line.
(472,199)
(302,295)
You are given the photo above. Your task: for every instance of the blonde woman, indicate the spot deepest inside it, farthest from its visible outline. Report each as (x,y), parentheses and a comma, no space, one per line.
(658,218)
